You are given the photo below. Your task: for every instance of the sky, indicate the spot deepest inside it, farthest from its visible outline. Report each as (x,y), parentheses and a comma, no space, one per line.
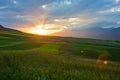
(71,16)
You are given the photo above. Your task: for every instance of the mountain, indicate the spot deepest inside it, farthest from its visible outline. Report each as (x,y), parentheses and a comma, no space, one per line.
(104,30)
(95,32)
(2,28)
(12,33)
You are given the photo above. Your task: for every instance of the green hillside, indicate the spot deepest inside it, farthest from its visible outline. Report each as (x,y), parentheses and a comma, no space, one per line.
(33,57)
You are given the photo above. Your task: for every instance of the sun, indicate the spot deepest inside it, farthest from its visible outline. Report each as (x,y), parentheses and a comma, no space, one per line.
(40,29)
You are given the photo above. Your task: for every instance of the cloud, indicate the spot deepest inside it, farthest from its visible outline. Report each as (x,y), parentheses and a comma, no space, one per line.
(117,1)
(64,14)
(53,27)
(3,7)
(68,2)
(15,2)
(111,10)
(118,22)
(105,25)
(79,21)
(44,6)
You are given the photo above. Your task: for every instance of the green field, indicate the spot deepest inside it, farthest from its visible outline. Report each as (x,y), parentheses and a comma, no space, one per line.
(32,57)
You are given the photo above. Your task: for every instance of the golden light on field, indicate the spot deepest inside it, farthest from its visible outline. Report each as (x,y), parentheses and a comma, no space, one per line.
(105,62)
(102,59)
(43,30)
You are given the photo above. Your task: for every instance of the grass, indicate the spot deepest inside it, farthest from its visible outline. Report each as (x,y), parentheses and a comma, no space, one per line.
(34,65)
(50,48)
(33,57)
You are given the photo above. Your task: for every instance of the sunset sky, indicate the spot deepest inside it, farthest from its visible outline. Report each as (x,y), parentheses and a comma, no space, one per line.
(70,16)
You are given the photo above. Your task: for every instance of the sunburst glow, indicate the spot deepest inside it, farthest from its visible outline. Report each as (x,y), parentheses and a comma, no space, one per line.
(42,30)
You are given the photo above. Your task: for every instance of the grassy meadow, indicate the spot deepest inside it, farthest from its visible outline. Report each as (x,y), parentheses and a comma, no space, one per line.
(32,57)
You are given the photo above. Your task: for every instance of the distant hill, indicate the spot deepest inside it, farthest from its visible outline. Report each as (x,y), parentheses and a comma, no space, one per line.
(1,27)
(6,29)
(12,33)
(95,32)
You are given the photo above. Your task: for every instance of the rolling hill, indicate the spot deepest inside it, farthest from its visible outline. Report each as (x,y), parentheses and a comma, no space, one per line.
(33,57)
